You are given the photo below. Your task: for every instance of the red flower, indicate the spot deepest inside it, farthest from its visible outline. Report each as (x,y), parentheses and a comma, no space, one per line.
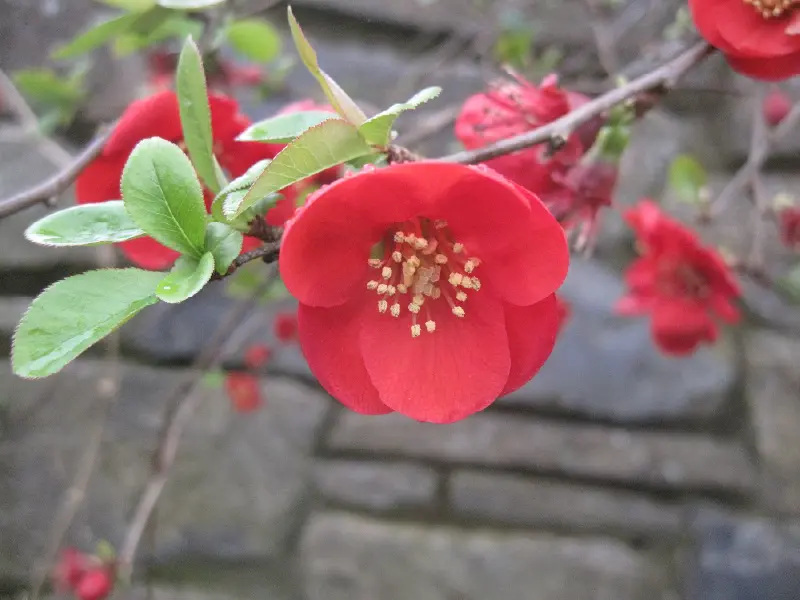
(244,391)
(464,266)
(686,286)
(760,39)
(776,106)
(510,109)
(282,211)
(789,219)
(585,189)
(70,568)
(96,584)
(158,115)
(286,326)
(257,356)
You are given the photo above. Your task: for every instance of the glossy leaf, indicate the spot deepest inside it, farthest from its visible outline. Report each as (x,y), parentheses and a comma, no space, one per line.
(224,243)
(96,36)
(341,102)
(163,196)
(85,225)
(72,314)
(687,178)
(323,146)
(255,39)
(238,188)
(282,129)
(190,4)
(46,87)
(187,277)
(190,83)
(378,129)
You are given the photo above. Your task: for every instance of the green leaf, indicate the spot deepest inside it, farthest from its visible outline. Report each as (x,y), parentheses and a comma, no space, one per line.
(378,129)
(323,146)
(189,4)
(163,196)
(46,87)
(96,36)
(255,39)
(687,178)
(187,277)
(789,285)
(190,83)
(131,5)
(213,379)
(284,128)
(76,312)
(224,243)
(85,225)
(238,188)
(341,102)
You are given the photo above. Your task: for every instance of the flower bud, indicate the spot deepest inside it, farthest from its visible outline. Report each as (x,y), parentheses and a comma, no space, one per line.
(776,106)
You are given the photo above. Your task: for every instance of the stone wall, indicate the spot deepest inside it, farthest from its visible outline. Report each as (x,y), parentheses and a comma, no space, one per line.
(616,474)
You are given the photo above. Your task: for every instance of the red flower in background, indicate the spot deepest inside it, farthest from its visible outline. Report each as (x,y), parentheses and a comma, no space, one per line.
(257,356)
(509,109)
(286,326)
(776,106)
(244,391)
(685,286)
(789,222)
(760,39)
(158,115)
(87,577)
(418,295)
(564,312)
(70,568)
(97,583)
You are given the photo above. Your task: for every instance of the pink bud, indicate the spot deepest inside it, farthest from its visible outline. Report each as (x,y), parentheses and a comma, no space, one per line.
(776,106)
(96,584)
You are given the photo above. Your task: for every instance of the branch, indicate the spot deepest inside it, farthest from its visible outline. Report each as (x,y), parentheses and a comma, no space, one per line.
(182,401)
(49,190)
(658,81)
(267,253)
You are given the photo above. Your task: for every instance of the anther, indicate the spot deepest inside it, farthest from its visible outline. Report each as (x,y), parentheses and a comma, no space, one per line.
(386,273)
(458,248)
(402,288)
(461,296)
(374,262)
(397,256)
(476,284)
(458,311)
(416,331)
(420,243)
(414,308)
(466,282)
(372,285)
(430,326)
(399,236)
(470,265)
(383,306)
(455,278)
(440,259)
(395,310)
(383,288)
(390,289)
(436,293)
(418,300)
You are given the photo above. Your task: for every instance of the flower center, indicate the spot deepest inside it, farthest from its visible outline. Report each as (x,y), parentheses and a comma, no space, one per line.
(684,281)
(422,265)
(773,8)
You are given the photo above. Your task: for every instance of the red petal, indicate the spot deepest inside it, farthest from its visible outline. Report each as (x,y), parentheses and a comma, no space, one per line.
(775,68)
(522,248)
(154,116)
(329,340)
(680,326)
(444,376)
(100,181)
(532,332)
(244,391)
(326,246)
(147,253)
(633,305)
(706,19)
(750,35)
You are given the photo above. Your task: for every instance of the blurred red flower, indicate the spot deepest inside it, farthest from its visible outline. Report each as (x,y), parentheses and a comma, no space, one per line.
(96,584)
(257,356)
(158,115)
(438,343)
(685,286)
(789,220)
(286,326)
(509,109)
(244,391)
(776,106)
(760,39)
(70,568)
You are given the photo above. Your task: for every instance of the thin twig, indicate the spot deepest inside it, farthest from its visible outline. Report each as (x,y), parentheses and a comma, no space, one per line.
(182,401)
(49,190)
(267,253)
(660,80)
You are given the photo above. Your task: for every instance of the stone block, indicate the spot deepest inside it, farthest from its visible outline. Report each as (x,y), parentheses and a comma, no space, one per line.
(522,501)
(351,558)
(646,458)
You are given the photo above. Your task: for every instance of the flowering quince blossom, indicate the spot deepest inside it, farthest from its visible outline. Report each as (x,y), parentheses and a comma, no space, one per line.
(257,356)
(789,222)
(70,568)
(97,583)
(509,109)
(685,286)
(244,391)
(87,577)
(425,288)
(775,107)
(158,115)
(760,38)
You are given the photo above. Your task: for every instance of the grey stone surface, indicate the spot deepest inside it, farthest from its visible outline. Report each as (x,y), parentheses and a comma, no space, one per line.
(516,500)
(607,366)
(11,310)
(646,458)
(773,395)
(347,557)
(237,487)
(376,485)
(744,559)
